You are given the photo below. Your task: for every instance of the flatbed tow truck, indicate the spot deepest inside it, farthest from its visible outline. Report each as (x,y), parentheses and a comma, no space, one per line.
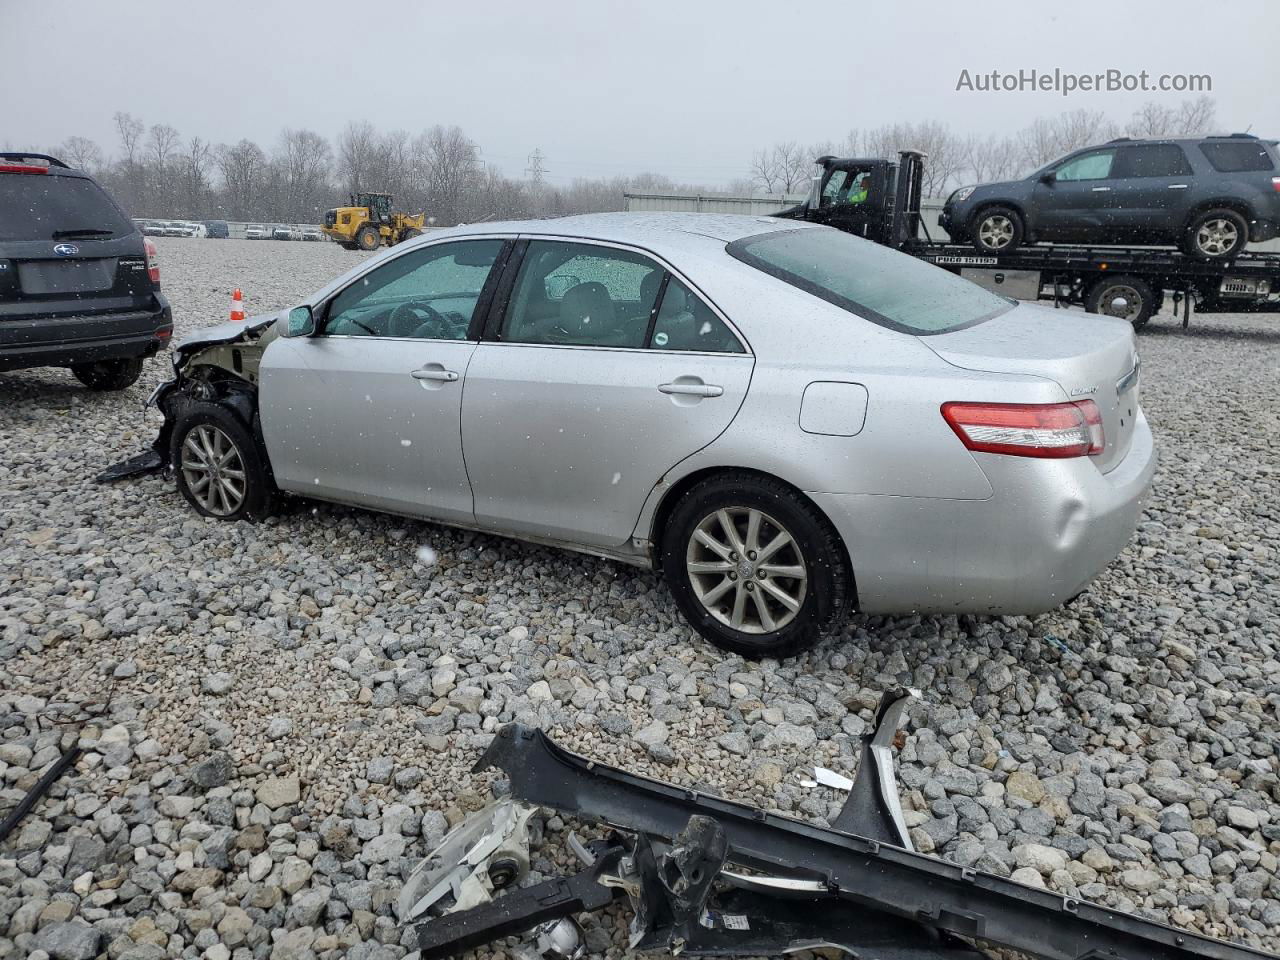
(1128,282)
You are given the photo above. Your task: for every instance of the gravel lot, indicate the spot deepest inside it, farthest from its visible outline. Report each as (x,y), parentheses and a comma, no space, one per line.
(279,718)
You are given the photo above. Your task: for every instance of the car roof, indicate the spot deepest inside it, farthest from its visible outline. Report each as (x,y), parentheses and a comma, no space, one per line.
(657,231)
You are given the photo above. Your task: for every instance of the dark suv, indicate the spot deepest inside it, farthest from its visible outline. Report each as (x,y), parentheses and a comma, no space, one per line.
(79,284)
(1210,196)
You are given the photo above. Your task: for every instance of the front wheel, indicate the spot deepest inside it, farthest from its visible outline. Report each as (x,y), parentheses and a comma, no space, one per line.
(368,238)
(220,468)
(997,230)
(754,567)
(410,234)
(109,374)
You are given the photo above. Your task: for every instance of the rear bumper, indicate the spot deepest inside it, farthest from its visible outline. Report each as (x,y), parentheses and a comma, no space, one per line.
(1049,528)
(63,341)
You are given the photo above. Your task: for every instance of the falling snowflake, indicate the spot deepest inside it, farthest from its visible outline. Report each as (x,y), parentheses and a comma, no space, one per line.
(427,556)
(616,478)
(406,442)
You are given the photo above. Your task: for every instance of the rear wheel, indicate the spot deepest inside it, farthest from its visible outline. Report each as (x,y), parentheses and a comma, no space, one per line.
(367,238)
(1125,297)
(410,234)
(754,567)
(109,374)
(996,230)
(220,468)
(1216,235)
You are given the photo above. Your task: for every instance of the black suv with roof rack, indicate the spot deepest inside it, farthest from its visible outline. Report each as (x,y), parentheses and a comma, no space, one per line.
(1208,195)
(79,284)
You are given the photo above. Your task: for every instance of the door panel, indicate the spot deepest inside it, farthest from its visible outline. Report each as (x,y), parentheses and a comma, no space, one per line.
(1152,184)
(1079,204)
(353,419)
(566,442)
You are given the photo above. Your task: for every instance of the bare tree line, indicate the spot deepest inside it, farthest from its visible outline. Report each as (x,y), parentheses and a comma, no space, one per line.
(153,172)
(955,159)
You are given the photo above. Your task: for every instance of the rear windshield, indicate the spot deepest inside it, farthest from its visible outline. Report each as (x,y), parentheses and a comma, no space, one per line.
(1241,157)
(882,285)
(42,206)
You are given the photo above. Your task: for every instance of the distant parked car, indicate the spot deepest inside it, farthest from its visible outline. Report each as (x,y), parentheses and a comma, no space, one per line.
(255,231)
(284,233)
(1210,196)
(217,229)
(907,442)
(154,228)
(176,228)
(311,233)
(198,231)
(79,284)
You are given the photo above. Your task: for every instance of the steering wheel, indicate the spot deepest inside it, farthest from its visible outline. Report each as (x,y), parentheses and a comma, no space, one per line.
(415,318)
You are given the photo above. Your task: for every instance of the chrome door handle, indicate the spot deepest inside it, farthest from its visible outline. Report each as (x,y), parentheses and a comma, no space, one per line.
(1101,189)
(1179,186)
(446,376)
(691,389)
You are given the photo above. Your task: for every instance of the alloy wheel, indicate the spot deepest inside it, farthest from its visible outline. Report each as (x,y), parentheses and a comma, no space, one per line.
(1216,237)
(995,232)
(746,570)
(213,470)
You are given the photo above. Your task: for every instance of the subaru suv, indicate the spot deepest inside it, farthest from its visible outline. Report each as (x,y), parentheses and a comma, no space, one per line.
(79,284)
(1209,196)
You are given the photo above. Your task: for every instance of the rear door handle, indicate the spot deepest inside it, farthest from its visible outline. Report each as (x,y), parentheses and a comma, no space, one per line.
(691,389)
(1101,189)
(436,373)
(1179,186)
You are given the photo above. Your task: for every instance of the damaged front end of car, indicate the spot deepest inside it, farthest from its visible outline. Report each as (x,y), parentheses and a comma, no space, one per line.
(710,877)
(219,364)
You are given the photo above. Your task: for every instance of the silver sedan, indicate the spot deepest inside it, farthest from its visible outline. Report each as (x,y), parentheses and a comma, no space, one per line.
(787,421)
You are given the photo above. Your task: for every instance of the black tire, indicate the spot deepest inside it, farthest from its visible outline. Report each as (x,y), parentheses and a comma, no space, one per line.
(109,374)
(347,246)
(1217,234)
(368,238)
(827,593)
(410,234)
(255,500)
(1002,222)
(1126,297)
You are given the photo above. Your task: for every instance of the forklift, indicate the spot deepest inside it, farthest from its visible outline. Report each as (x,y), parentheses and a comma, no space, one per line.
(368,223)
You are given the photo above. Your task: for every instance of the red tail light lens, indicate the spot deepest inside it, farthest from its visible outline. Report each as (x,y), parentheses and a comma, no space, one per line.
(1275,184)
(153,260)
(21,168)
(1048,430)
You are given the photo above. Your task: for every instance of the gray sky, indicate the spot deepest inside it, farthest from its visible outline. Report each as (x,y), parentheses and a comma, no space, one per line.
(685,88)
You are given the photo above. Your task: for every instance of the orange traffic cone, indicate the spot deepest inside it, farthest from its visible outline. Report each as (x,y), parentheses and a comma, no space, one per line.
(237,306)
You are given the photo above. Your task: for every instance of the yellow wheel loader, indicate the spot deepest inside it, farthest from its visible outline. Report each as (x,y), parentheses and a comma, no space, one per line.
(369,223)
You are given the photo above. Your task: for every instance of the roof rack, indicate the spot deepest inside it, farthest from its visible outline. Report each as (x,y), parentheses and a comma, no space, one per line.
(22,155)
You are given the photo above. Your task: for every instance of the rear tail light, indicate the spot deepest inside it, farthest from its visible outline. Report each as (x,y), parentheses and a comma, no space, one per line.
(1050,430)
(1275,184)
(22,168)
(153,260)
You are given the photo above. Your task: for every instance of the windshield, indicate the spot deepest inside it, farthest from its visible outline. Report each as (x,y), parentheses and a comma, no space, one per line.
(48,207)
(869,280)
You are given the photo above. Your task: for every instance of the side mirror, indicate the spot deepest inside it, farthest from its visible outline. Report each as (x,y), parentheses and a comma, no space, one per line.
(1049,179)
(301,322)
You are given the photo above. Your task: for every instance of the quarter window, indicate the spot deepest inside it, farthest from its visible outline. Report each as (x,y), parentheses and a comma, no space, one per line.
(429,294)
(1087,166)
(685,322)
(1153,160)
(1240,156)
(579,294)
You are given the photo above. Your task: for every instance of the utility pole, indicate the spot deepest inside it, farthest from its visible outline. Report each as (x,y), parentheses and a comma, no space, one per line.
(535,170)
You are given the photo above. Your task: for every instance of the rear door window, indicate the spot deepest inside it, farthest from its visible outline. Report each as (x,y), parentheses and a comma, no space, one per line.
(1153,160)
(1238,157)
(45,206)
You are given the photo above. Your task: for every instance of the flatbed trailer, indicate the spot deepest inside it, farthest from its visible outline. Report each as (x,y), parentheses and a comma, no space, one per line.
(1128,282)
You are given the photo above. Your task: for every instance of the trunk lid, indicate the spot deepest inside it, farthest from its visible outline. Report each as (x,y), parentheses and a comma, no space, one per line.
(1090,357)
